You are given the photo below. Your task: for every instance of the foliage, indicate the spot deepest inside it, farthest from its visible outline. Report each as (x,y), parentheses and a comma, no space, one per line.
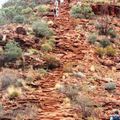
(9,13)
(42,72)
(17,3)
(101,28)
(41,29)
(110,86)
(110,51)
(51,42)
(7,78)
(42,8)
(3,21)
(51,62)
(77,100)
(42,1)
(27,10)
(83,11)
(69,90)
(104,28)
(112,33)
(46,47)
(92,38)
(104,43)
(19,19)
(13,92)
(100,51)
(12,51)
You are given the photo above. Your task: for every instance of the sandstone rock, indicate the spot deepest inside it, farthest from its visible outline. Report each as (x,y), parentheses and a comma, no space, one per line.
(118,66)
(79,74)
(92,68)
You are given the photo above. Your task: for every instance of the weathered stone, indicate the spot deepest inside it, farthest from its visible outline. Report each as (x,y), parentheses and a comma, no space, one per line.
(118,66)
(21,30)
(79,74)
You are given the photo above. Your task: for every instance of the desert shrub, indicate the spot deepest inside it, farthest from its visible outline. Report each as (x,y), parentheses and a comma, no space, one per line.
(112,33)
(100,51)
(19,19)
(70,90)
(110,86)
(12,51)
(104,43)
(42,1)
(7,78)
(9,13)
(1,107)
(84,11)
(42,71)
(17,3)
(105,29)
(77,100)
(27,10)
(9,3)
(46,47)
(3,21)
(13,92)
(92,38)
(51,62)
(18,9)
(102,29)
(110,51)
(51,42)
(43,8)
(41,29)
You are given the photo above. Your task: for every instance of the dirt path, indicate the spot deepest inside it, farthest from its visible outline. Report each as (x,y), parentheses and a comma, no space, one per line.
(52,107)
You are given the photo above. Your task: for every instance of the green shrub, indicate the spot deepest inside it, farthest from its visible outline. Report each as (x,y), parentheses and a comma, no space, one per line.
(42,72)
(112,33)
(51,62)
(102,29)
(42,8)
(9,13)
(92,39)
(104,43)
(3,21)
(12,51)
(46,47)
(19,19)
(110,51)
(110,86)
(27,10)
(18,9)
(105,29)
(41,29)
(51,42)
(84,11)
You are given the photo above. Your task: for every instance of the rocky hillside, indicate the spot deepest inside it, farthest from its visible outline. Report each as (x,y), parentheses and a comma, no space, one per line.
(59,68)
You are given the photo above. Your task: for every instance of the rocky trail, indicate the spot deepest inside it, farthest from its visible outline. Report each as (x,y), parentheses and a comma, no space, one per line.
(71,46)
